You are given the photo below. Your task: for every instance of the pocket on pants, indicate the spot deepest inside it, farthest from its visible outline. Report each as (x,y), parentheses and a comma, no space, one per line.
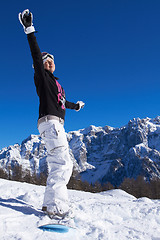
(51,133)
(55,138)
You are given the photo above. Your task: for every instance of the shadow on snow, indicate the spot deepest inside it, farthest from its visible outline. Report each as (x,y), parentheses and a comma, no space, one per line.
(23,208)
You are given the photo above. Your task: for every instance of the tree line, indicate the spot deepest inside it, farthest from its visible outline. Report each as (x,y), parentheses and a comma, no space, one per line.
(137,187)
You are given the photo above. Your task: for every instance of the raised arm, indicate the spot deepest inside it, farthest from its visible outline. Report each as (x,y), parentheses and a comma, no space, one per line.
(26,19)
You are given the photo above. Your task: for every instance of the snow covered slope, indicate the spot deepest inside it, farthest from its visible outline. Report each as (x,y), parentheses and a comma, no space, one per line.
(109,215)
(103,154)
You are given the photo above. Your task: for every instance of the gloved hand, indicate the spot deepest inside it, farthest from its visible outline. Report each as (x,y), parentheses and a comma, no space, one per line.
(25,19)
(81,105)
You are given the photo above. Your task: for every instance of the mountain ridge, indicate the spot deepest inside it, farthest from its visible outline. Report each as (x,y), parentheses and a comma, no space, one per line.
(103,154)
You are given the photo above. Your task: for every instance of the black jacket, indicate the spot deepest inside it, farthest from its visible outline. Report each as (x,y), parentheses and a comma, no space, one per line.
(51,94)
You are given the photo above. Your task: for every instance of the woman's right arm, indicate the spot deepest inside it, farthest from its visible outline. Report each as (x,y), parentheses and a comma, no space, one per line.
(25,19)
(36,55)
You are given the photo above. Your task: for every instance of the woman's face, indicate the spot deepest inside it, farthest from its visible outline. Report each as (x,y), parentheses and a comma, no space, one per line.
(49,65)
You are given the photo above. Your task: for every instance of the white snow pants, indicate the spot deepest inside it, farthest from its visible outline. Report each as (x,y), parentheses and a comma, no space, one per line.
(59,166)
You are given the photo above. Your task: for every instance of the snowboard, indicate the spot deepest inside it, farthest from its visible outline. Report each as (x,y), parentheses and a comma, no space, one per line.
(59,228)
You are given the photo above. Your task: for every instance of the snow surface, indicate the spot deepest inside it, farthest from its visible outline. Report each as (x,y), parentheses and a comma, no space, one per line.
(110,215)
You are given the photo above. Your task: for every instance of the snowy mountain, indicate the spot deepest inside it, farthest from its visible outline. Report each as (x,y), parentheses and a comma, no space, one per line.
(103,154)
(109,215)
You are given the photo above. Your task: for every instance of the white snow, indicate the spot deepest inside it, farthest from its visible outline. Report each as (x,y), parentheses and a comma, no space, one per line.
(110,215)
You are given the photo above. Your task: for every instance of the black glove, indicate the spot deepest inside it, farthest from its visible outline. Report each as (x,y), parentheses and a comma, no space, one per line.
(25,19)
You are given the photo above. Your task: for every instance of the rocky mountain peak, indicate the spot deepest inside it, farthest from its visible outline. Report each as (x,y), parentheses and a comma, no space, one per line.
(103,154)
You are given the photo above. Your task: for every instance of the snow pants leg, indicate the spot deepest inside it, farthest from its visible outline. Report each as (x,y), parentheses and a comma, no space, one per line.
(59,165)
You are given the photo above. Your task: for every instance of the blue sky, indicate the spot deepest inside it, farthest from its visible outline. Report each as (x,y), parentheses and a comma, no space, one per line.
(107,53)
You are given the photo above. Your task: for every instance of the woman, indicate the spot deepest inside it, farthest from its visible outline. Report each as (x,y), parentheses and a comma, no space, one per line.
(50,124)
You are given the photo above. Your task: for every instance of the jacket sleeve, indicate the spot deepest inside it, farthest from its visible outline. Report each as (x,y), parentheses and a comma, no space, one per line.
(71,105)
(37,58)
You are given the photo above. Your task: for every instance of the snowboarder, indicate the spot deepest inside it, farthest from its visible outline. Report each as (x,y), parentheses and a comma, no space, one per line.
(50,124)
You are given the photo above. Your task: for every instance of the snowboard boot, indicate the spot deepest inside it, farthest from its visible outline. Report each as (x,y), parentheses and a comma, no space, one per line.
(58,214)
